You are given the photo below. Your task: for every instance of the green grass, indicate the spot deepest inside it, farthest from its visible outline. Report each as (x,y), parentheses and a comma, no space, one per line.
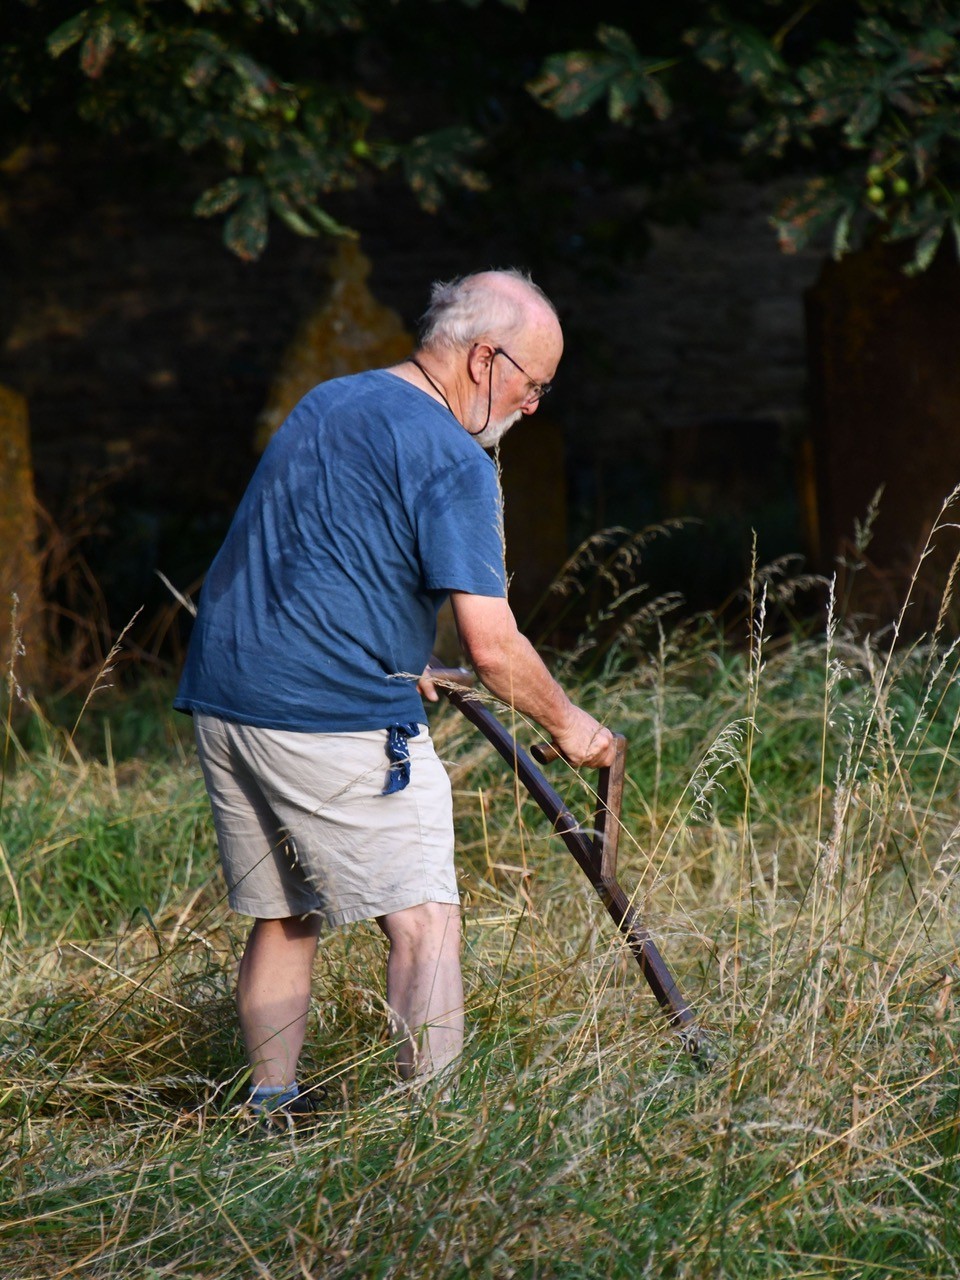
(791,834)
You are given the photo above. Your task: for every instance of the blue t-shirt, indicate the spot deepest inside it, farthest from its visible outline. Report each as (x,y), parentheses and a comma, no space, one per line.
(369,505)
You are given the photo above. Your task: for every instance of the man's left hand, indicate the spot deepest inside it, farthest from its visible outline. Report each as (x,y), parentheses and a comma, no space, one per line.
(426,687)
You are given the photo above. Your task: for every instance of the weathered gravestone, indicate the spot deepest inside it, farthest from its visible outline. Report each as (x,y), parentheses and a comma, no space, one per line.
(348,332)
(22,648)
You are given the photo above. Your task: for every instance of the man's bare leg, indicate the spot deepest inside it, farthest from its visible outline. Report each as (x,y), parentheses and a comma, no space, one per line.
(273,995)
(424,987)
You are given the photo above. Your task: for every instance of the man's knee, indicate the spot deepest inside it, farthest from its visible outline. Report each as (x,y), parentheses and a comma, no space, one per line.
(431,925)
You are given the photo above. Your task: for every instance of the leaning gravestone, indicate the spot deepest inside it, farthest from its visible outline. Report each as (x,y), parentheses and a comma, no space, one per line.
(349,332)
(885,402)
(21,625)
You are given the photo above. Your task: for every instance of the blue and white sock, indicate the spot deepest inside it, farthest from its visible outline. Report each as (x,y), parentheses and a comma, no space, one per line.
(269,1097)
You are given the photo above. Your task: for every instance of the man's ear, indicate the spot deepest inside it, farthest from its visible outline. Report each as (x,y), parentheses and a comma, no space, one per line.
(479,361)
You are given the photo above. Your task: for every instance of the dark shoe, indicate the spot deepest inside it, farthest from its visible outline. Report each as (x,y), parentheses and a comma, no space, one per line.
(299,1115)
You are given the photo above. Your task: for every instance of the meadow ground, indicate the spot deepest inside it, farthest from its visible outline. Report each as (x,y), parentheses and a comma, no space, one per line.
(791,835)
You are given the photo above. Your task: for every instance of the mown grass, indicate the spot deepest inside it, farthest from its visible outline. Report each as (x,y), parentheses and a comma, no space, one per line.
(790,831)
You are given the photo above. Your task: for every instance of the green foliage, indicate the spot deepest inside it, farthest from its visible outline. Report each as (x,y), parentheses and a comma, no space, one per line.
(265,91)
(435,159)
(284,105)
(861,97)
(571,83)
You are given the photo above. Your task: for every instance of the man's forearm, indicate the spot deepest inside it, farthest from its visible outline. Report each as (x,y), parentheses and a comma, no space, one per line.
(517,675)
(511,668)
(507,663)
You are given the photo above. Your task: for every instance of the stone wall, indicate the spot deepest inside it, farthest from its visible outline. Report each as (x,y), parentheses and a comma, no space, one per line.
(146,354)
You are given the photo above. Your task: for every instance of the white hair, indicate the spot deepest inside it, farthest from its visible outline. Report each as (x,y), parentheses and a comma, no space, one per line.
(463,310)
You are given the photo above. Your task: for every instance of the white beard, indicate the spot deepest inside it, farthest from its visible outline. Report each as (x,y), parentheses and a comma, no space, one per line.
(493,432)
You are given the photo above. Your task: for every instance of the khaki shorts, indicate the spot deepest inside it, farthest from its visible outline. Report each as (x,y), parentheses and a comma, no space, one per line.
(302,825)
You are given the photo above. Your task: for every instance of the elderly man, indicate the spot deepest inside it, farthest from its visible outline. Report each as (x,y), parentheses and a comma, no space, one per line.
(373,503)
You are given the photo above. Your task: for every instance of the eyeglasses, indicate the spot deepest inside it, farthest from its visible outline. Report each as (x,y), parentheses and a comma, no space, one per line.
(536,390)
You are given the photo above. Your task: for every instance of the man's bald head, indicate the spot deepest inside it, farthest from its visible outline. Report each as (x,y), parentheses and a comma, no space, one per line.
(496,306)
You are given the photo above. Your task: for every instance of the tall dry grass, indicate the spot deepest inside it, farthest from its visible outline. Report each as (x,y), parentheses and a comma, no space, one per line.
(791,835)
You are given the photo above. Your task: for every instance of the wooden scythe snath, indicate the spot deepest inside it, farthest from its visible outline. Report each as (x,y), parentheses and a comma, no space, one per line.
(595,852)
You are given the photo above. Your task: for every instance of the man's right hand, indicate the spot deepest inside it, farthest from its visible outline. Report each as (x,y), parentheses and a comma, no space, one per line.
(586,743)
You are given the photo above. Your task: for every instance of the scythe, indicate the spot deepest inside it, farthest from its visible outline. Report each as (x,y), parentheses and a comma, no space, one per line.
(595,852)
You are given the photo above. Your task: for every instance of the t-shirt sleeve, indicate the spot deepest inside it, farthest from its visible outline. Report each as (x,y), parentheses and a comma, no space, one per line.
(460,530)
